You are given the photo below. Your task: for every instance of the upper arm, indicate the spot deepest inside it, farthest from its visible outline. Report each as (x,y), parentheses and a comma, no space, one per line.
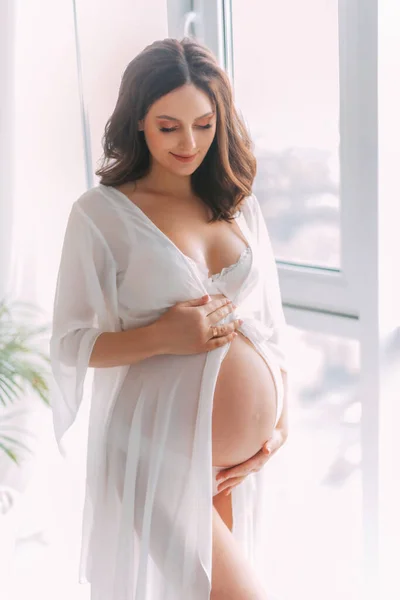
(84,285)
(84,280)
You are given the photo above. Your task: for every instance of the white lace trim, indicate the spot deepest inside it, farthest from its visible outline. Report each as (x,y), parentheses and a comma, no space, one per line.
(226,270)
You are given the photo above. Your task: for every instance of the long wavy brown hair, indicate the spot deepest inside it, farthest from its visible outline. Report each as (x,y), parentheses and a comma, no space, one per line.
(225,176)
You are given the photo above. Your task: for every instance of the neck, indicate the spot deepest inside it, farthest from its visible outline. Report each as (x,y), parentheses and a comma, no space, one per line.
(164,182)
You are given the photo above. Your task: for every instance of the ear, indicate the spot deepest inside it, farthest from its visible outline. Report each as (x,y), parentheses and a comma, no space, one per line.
(140,126)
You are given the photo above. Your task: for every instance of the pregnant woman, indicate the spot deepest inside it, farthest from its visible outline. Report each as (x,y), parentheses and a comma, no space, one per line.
(168,288)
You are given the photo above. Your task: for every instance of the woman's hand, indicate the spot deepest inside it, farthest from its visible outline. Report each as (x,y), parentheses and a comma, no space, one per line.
(230,478)
(187,327)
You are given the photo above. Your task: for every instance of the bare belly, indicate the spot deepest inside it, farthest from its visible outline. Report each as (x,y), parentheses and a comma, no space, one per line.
(244,405)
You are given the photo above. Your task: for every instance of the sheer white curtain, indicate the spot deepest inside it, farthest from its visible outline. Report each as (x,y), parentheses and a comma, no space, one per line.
(60,70)
(7,32)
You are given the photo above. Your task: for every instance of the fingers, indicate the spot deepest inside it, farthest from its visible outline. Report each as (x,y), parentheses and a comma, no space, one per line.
(224,330)
(224,477)
(223,334)
(231,477)
(230,483)
(220,314)
(252,465)
(220,341)
(219,297)
(219,335)
(218,309)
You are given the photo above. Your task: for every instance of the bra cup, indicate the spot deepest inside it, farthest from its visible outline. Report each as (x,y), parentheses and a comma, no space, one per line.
(231,279)
(236,281)
(225,273)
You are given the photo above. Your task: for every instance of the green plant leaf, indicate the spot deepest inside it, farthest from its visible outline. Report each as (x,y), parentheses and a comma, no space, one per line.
(9,383)
(7,438)
(9,453)
(8,390)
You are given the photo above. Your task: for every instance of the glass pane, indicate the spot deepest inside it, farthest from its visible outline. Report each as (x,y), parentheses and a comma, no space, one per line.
(286,79)
(313,514)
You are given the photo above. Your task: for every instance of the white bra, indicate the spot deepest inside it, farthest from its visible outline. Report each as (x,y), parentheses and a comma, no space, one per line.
(232,276)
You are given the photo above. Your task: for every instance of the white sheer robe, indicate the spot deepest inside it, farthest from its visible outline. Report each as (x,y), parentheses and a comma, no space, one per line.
(147,524)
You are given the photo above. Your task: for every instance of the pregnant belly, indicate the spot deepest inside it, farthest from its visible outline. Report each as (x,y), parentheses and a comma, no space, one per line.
(244,405)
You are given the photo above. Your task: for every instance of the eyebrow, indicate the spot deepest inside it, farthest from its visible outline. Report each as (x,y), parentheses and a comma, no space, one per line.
(209,114)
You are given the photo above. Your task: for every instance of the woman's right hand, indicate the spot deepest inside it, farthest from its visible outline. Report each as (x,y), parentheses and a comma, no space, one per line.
(187,327)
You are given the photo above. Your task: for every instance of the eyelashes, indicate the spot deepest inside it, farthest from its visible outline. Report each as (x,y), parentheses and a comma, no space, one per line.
(170,129)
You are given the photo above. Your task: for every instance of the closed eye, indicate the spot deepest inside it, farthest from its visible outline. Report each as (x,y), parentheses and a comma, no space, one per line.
(169,129)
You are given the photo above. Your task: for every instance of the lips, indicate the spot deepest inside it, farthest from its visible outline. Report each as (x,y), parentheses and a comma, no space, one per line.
(183,158)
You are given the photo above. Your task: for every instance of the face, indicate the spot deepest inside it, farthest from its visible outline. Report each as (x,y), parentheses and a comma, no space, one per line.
(179,129)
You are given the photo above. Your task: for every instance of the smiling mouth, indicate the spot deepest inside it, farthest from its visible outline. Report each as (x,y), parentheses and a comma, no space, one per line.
(183,157)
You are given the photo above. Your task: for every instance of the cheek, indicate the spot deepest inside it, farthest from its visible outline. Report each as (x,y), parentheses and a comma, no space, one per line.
(207,139)
(157,142)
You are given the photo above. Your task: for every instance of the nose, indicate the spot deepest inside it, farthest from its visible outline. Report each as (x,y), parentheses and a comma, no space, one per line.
(187,142)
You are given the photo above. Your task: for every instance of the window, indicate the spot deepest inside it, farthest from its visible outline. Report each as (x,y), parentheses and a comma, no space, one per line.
(286,81)
(315,507)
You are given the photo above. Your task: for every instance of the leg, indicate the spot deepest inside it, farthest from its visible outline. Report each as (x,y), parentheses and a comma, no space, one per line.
(232,576)
(223,504)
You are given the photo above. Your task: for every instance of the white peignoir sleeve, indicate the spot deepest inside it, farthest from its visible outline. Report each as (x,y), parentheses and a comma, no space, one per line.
(85,273)
(271,309)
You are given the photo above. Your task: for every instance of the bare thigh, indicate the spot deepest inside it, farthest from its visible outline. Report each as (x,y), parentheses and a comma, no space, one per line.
(233,578)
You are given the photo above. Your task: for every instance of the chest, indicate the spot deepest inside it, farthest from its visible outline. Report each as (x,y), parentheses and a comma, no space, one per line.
(158,275)
(213,246)
(186,223)
(171,250)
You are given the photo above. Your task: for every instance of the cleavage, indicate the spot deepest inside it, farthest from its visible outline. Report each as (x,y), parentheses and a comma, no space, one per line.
(199,245)
(211,246)
(225,269)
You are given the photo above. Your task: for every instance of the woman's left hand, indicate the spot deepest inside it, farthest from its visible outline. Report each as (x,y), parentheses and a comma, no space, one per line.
(230,478)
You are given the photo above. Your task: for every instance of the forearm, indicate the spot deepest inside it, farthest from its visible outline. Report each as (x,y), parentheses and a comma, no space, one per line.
(115,349)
